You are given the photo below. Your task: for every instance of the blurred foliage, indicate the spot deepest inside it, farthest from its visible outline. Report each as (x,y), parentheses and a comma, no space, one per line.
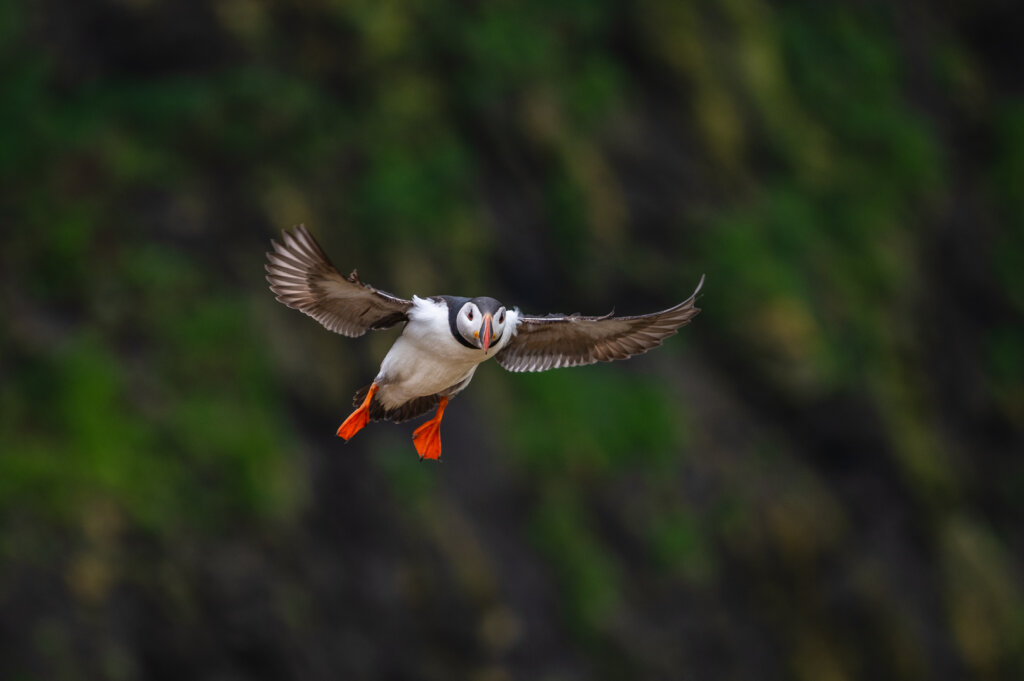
(819,479)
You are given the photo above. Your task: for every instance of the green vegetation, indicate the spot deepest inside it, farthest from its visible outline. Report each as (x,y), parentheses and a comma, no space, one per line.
(818,479)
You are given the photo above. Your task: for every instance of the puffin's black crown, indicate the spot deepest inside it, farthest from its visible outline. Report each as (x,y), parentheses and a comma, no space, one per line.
(487,305)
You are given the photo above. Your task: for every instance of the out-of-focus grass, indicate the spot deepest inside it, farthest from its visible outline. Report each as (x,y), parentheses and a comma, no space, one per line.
(189,438)
(1005,180)
(137,384)
(586,573)
(584,424)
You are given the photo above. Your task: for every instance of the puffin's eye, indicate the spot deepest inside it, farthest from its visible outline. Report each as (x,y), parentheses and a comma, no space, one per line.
(469,314)
(501,319)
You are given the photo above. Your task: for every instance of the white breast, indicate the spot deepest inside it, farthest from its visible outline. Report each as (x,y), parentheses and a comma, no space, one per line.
(426,359)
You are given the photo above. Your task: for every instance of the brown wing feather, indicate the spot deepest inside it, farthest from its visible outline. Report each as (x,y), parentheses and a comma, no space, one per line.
(543,343)
(303,278)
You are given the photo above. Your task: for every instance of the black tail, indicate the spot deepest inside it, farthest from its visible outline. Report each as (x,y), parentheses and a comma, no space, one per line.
(410,410)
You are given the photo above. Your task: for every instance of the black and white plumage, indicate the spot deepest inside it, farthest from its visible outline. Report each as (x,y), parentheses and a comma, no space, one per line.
(446,337)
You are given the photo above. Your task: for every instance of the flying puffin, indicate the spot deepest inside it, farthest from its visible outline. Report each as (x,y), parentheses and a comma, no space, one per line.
(446,337)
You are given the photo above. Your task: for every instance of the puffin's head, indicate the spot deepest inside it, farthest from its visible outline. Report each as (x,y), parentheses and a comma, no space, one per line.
(481,321)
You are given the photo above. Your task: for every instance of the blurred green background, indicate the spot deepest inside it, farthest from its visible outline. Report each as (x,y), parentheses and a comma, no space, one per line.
(820,479)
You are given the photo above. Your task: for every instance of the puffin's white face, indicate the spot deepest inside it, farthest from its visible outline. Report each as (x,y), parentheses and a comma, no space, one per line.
(481,321)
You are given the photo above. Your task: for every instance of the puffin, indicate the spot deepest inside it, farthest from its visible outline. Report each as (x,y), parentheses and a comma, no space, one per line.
(445,338)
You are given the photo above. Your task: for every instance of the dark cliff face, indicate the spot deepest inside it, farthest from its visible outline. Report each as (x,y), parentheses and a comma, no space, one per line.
(819,478)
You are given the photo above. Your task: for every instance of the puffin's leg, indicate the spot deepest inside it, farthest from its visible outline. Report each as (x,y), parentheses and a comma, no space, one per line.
(359,418)
(427,438)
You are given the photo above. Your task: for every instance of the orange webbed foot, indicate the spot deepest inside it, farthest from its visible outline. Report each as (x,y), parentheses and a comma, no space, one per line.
(427,438)
(358,419)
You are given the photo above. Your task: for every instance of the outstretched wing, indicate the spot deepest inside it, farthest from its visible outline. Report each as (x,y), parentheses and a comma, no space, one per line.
(304,279)
(543,343)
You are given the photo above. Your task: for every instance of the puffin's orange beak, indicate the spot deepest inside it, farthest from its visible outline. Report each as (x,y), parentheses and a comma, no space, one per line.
(486,340)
